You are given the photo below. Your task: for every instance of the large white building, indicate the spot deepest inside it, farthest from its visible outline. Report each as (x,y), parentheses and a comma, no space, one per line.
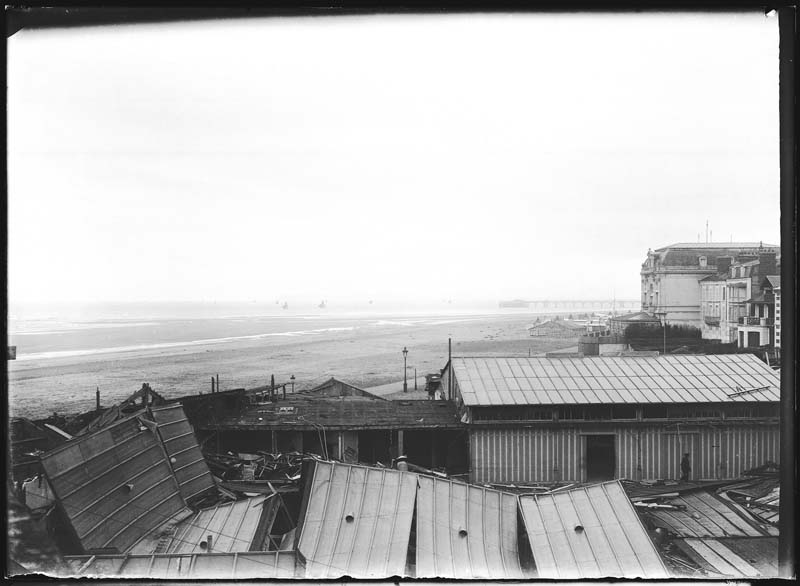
(671,277)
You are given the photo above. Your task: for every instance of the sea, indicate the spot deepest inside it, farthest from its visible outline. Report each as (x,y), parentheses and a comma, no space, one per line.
(72,330)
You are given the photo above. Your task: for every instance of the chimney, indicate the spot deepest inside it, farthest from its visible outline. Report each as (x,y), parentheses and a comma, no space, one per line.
(767,264)
(724,264)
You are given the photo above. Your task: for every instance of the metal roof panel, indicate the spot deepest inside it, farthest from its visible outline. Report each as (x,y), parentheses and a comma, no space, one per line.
(357,521)
(589,532)
(465,531)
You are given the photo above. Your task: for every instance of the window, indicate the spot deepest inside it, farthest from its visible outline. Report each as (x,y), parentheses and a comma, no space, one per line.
(669,411)
(654,412)
(512,414)
(598,412)
(567,412)
(623,412)
(751,411)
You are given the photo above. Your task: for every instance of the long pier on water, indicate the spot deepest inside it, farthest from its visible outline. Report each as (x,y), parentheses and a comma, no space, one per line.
(620,304)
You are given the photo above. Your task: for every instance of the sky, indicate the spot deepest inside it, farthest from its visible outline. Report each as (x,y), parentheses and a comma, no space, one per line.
(413,158)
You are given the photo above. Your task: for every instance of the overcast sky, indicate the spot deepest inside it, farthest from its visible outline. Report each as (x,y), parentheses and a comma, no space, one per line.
(387,157)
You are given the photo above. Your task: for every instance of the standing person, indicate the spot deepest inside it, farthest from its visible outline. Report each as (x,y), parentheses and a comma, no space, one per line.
(686,468)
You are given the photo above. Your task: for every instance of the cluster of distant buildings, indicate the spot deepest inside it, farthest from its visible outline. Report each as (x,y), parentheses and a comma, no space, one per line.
(731,292)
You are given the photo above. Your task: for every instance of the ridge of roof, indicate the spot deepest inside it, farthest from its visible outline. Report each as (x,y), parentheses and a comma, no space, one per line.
(716,245)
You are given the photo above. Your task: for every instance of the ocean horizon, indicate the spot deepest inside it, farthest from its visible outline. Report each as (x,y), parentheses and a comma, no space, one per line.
(89,329)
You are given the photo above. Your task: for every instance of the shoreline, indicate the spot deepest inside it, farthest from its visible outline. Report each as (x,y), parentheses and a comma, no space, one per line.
(365,357)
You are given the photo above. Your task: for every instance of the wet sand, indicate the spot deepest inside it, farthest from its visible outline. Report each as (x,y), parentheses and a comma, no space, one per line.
(364,356)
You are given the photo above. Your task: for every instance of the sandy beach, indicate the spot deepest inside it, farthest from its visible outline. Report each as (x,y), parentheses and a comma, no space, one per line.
(367,356)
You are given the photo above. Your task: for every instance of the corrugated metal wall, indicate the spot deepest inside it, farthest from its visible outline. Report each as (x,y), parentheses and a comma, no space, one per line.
(646,453)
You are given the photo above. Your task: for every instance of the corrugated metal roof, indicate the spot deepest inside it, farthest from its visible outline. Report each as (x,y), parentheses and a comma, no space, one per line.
(232,526)
(589,532)
(189,466)
(357,521)
(466,531)
(702,514)
(115,485)
(490,381)
(212,566)
(736,557)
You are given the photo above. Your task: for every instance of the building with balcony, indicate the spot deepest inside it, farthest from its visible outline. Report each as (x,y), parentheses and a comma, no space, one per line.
(756,327)
(712,305)
(744,288)
(671,276)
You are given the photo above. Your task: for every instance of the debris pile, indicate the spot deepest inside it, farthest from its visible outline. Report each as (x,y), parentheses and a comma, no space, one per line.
(721,529)
(257,473)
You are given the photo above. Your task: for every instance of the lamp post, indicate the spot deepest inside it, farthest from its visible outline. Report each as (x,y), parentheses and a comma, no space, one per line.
(291,378)
(405,378)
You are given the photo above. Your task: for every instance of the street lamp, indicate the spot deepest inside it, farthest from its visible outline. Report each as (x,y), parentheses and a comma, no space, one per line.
(405,379)
(291,378)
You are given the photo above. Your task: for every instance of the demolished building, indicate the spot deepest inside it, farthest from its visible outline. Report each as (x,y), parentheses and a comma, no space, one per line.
(351,427)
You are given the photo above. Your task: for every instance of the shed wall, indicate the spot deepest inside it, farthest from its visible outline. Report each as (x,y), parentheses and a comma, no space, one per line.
(548,454)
